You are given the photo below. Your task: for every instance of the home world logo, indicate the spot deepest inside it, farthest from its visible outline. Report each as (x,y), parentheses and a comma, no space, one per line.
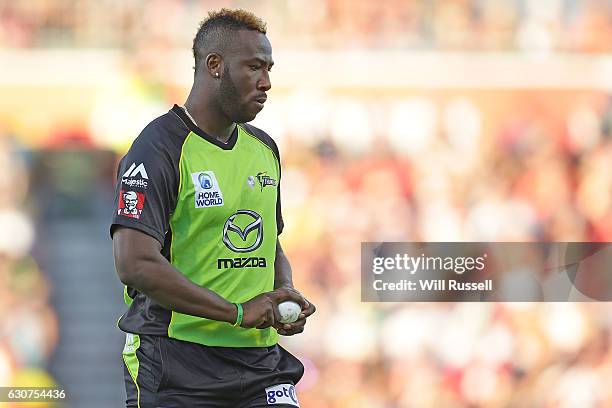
(207,190)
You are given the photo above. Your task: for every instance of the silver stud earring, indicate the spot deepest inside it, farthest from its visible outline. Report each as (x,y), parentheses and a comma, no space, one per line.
(216,75)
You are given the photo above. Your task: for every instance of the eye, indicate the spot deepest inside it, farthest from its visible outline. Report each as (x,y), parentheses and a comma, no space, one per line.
(254,67)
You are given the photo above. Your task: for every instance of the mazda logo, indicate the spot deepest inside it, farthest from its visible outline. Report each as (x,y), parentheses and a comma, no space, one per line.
(235,236)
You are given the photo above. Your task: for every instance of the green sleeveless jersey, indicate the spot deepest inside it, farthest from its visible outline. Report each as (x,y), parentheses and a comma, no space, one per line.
(215,208)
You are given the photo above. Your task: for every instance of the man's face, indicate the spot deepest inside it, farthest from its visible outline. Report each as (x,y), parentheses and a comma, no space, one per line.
(131,200)
(246,76)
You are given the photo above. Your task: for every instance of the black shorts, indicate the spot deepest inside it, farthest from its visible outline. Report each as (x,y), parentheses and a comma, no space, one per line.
(161,372)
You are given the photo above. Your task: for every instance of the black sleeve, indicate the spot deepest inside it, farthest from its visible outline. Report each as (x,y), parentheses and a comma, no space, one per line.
(147,182)
(264,137)
(280,224)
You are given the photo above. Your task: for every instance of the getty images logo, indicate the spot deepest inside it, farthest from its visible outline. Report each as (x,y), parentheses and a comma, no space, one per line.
(282,394)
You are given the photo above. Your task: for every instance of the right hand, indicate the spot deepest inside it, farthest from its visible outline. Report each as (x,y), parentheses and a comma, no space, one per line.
(262,310)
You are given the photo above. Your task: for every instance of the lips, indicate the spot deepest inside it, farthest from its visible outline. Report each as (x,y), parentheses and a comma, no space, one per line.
(261,99)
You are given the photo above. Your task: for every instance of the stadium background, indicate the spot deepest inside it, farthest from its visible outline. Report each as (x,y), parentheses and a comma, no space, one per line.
(397,121)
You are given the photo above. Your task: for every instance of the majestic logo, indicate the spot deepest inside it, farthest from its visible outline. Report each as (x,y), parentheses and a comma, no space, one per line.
(243,231)
(134,171)
(265,180)
(134,183)
(282,394)
(131,204)
(207,190)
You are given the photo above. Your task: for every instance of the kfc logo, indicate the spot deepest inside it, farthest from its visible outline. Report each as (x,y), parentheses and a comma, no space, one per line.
(131,204)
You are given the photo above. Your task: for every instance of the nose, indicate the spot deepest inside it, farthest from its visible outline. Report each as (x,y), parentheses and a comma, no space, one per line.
(264,83)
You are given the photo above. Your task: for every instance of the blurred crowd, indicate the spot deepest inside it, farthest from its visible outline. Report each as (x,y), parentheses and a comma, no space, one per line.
(466,165)
(479,25)
(453,167)
(28,323)
(447,169)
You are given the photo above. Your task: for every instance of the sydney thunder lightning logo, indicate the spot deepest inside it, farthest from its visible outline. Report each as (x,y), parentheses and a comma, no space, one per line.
(265,180)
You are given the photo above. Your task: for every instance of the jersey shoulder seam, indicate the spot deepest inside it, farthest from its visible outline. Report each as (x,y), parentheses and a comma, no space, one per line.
(261,141)
(181,176)
(181,119)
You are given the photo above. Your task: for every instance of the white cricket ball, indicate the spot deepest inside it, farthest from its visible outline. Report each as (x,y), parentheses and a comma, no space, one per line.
(289,311)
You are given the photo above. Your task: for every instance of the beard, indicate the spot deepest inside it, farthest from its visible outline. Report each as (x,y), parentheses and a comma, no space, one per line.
(229,100)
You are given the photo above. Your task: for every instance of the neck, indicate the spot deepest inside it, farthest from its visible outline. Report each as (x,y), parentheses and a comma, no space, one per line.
(207,114)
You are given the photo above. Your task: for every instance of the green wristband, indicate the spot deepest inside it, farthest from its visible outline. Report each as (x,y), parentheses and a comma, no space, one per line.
(239,316)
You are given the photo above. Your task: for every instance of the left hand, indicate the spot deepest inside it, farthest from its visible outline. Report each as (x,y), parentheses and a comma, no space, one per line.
(289,329)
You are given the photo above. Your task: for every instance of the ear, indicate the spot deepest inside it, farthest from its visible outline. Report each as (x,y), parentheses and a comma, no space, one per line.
(214,64)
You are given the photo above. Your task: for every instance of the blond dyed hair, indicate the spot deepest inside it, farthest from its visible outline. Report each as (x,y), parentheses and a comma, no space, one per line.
(214,31)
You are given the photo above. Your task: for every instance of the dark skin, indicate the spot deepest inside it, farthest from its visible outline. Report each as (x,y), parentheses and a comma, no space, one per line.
(229,87)
(229,83)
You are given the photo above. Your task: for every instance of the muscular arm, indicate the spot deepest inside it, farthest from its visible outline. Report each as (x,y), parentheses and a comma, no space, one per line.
(282,269)
(140,265)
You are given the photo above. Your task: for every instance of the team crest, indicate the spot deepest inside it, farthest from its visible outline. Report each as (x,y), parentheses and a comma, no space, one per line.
(264,180)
